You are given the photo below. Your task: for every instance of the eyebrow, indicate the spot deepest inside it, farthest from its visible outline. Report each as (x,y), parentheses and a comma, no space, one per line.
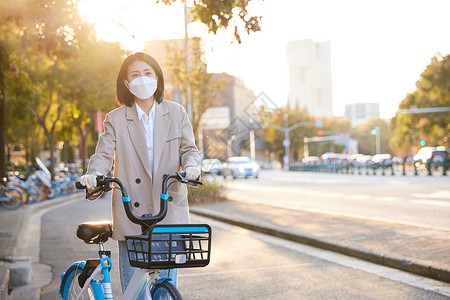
(145,70)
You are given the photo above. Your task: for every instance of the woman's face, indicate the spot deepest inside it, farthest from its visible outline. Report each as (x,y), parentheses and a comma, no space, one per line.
(139,68)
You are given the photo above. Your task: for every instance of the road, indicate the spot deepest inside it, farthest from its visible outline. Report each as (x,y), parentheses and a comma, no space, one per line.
(422,200)
(249,265)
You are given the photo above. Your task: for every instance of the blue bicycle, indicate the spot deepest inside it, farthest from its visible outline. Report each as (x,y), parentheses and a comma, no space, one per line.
(11,197)
(158,247)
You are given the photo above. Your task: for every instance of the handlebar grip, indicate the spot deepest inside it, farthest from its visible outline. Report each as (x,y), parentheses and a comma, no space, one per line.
(79,186)
(100,181)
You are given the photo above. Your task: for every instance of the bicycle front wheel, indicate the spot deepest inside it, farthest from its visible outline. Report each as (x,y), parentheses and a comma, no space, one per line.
(165,290)
(72,288)
(12,198)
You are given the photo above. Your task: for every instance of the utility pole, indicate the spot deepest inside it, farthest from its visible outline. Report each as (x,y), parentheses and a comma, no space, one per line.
(188,63)
(377,128)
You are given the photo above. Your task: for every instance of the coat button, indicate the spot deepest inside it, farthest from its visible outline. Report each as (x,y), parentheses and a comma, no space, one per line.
(138,180)
(136,204)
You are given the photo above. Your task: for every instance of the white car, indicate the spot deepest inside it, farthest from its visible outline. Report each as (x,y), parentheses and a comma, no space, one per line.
(241,167)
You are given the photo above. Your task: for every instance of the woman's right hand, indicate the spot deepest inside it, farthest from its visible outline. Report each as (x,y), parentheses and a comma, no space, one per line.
(90,180)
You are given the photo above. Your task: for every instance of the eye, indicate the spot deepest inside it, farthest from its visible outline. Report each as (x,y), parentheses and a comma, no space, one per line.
(148,73)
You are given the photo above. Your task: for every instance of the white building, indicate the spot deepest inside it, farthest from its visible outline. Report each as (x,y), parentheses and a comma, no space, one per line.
(310,77)
(360,113)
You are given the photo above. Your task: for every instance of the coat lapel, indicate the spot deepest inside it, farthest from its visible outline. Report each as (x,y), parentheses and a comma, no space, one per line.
(162,127)
(137,135)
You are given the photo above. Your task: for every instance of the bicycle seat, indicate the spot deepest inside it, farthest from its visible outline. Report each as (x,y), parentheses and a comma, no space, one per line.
(94,232)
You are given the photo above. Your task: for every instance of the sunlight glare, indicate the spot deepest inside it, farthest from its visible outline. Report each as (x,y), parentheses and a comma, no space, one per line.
(134,22)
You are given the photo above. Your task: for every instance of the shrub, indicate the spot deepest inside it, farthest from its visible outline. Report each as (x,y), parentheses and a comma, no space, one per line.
(209,192)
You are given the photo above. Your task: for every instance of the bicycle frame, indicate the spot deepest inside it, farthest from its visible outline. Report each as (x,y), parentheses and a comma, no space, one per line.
(100,281)
(147,276)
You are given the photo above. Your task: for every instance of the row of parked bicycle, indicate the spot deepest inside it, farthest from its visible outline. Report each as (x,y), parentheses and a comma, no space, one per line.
(379,163)
(35,186)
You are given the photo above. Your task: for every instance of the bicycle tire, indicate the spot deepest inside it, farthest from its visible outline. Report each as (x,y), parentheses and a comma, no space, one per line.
(14,198)
(36,194)
(71,288)
(26,194)
(165,290)
(45,191)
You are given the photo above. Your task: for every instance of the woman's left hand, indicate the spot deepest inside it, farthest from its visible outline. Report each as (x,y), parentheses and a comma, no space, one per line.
(192,173)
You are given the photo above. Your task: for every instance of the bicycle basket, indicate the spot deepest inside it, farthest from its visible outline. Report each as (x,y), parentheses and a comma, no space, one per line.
(171,246)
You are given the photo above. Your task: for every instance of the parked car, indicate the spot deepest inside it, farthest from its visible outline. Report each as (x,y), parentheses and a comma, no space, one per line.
(436,155)
(424,154)
(382,159)
(241,167)
(212,166)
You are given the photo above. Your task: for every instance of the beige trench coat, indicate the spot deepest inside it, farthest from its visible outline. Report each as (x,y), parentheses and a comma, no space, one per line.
(123,142)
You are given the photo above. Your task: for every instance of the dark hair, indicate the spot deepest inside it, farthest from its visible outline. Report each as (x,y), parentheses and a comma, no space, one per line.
(123,95)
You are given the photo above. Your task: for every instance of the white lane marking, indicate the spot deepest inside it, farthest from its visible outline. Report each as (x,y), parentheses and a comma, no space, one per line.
(333,257)
(387,199)
(438,195)
(358,197)
(432,202)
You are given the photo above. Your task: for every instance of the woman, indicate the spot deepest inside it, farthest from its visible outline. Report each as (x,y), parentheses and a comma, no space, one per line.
(146,138)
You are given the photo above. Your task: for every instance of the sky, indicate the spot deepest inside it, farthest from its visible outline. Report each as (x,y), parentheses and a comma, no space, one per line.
(378,48)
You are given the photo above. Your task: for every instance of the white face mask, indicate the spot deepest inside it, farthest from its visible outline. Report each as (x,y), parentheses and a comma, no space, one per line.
(143,87)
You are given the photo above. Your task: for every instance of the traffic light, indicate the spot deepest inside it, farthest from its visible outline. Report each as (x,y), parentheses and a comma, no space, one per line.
(320,132)
(366,129)
(374,131)
(422,143)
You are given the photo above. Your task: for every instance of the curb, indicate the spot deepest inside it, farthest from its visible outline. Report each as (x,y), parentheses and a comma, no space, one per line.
(377,258)
(17,265)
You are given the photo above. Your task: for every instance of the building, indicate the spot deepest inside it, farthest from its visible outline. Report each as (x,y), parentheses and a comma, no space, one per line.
(227,125)
(360,113)
(225,129)
(310,77)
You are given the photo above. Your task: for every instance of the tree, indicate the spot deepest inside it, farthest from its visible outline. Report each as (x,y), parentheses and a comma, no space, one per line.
(221,14)
(89,81)
(275,137)
(367,141)
(59,69)
(196,81)
(432,90)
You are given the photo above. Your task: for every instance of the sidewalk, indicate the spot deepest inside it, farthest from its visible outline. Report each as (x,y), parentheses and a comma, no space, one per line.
(12,225)
(412,249)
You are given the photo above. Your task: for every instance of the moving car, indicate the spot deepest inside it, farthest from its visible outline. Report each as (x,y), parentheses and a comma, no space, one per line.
(241,167)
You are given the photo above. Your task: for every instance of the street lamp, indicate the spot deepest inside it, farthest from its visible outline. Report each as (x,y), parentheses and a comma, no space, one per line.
(286,130)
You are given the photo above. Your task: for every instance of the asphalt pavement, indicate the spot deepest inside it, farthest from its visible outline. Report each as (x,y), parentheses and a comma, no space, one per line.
(418,250)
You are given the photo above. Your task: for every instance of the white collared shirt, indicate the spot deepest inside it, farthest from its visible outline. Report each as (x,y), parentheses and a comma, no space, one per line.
(149,125)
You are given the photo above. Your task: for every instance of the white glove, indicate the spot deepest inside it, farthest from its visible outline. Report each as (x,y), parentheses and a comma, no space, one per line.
(90,181)
(192,173)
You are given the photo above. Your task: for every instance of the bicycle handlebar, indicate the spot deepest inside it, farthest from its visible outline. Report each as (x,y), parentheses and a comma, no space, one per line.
(146,220)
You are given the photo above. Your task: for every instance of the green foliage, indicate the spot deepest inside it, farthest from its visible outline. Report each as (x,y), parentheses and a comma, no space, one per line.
(275,137)
(432,90)
(221,14)
(57,73)
(197,80)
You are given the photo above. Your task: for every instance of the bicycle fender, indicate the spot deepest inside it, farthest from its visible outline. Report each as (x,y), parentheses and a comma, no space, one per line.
(78,264)
(160,281)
